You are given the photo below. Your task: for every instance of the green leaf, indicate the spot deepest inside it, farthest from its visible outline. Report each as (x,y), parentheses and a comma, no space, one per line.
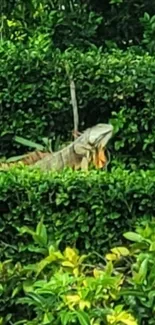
(146,16)
(29,143)
(48,318)
(39,240)
(131,292)
(141,275)
(41,232)
(27,230)
(152,247)
(16,290)
(83,317)
(66,316)
(28,286)
(117,78)
(44,262)
(1,289)
(133,237)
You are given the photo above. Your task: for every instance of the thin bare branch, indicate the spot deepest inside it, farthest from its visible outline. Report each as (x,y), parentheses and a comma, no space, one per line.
(75,107)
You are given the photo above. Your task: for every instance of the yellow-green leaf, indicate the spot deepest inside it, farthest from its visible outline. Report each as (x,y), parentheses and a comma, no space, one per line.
(76,271)
(120,251)
(83,304)
(73,298)
(111,257)
(71,255)
(68,264)
(1,320)
(97,273)
(122,317)
(109,268)
(44,262)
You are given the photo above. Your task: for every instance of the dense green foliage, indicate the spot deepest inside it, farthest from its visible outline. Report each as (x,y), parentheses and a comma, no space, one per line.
(76,207)
(108,48)
(62,287)
(35,96)
(122,21)
(78,22)
(34,80)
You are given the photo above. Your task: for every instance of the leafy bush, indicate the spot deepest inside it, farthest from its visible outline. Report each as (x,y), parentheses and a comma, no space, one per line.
(149,32)
(35,96)
(76,206)
(63,288)
(121,22)
(73,25)
(77,22)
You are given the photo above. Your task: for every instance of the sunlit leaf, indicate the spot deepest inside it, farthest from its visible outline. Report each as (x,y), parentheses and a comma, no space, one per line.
(41,232)
(121,317)
(112,257)
(68,264)
(133,237)
(71,255)
(120,251)
(83,304)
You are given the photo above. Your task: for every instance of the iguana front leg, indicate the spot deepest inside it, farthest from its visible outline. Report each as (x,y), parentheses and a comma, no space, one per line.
(84,163)
(82,150)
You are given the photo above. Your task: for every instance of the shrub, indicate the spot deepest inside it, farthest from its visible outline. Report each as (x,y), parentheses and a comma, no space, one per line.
(121,22)
(63,288)
(72,25)
(85,210)
(76,23)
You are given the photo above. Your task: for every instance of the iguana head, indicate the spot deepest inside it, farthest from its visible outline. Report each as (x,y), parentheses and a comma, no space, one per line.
(100,134)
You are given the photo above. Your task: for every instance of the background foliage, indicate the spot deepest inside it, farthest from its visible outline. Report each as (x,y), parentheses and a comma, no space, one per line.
(80,22)
(40,40)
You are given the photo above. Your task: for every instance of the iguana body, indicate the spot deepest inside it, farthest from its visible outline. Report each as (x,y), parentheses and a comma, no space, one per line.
(86,149)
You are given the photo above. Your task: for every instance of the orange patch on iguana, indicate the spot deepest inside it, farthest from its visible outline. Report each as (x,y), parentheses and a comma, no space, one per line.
(99,159)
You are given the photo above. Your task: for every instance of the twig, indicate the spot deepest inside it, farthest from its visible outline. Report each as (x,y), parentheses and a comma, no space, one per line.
(75,107)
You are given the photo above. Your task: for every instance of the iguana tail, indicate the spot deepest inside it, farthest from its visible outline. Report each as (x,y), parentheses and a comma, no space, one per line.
(27,159)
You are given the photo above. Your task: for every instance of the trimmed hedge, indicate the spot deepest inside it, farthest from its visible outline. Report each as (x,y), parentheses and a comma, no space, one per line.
(86,210)
(35,96)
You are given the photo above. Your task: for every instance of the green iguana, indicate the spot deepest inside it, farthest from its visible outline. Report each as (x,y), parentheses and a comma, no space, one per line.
(87,148)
